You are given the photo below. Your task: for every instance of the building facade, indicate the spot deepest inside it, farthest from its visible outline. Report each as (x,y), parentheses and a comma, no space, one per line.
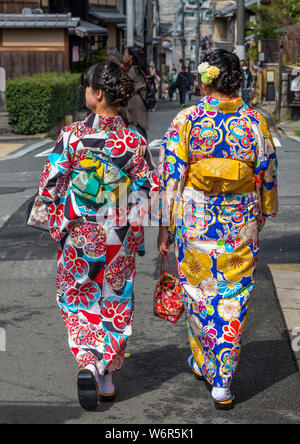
(58,35)
(33,42)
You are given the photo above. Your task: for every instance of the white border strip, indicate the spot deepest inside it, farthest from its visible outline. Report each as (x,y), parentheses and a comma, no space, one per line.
(27,150)
(45,153)
(156,145)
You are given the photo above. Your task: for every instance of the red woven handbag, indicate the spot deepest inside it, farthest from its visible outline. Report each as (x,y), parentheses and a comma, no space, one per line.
(168,296)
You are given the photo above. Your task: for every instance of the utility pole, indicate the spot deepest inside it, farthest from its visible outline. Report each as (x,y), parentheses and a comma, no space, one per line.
(241,32)
(130,23)
(198,33)
(212,23)
(279,99)
(183,40)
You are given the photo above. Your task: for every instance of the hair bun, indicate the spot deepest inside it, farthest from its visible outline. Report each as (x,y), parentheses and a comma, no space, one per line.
(116,85)
(231,75)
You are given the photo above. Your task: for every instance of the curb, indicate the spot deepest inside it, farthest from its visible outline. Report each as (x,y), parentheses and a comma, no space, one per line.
(287,283)
(16,138)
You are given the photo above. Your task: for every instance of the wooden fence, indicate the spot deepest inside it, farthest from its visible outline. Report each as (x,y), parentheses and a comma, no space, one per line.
(16,6)
(19,63)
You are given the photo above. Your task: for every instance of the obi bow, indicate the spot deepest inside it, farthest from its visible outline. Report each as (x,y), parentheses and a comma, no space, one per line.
(216,176)
(98,182)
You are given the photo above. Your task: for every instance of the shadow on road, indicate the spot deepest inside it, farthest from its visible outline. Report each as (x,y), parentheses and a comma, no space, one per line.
(263,364)
(36,413)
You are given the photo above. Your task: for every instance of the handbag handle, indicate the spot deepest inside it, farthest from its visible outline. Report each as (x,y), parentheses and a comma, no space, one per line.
(163,264)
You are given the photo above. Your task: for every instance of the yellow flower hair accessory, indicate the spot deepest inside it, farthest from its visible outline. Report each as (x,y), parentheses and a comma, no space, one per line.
(208,73)
(213,72)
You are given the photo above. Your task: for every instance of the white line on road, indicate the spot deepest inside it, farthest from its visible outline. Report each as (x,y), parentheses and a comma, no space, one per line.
(295,138)
(27,150)
(45,153)
(277,142)
(156,145)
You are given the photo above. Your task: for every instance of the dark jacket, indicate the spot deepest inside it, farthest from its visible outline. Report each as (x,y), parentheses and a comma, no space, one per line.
(247,79)
(136,111)
(182,81)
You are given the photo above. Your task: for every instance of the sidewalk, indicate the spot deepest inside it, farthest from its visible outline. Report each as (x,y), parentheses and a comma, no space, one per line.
(287,282)
(290,129)
(285,271)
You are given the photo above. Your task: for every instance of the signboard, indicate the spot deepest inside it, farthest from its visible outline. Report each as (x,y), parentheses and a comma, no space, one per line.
(2,80)
(294,88)
(2,86)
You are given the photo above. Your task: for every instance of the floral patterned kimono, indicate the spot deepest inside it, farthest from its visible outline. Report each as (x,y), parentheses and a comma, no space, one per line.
(218,172)
(96,260)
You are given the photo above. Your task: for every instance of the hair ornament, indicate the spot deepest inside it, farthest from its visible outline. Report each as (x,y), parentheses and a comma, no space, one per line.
(208,73)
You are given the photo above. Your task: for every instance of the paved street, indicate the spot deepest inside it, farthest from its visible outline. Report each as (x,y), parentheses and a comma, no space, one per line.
(37,382)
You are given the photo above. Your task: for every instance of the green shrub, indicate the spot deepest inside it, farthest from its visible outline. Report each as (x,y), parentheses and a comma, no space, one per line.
(36,104)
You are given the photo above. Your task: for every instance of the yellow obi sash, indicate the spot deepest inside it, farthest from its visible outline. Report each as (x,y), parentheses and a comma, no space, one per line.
(217,176)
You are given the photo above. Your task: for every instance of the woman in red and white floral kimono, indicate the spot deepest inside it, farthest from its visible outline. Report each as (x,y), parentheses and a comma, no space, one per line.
(95,164)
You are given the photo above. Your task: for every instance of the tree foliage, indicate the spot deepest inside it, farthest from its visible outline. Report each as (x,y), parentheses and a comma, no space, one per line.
(36,104)
(271,17)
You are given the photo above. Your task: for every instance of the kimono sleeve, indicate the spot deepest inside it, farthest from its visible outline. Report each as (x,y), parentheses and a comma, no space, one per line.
(145,185)
(266,173)
(173,164)
(54,182)
(57,169)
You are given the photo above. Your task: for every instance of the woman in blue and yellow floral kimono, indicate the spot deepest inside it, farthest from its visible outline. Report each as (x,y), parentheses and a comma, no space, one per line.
(218,183)
(97,172)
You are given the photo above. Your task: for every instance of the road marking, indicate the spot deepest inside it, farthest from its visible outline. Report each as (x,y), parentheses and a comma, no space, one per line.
(45,153)
(156,145)
(27,150)
(277,142)
(295,138)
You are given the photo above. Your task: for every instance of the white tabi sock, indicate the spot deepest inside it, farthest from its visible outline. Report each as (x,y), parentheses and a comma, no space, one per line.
(106,385)
(221,394)
(197,368)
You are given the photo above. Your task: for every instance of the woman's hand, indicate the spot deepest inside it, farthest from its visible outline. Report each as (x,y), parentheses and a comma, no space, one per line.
(163,242)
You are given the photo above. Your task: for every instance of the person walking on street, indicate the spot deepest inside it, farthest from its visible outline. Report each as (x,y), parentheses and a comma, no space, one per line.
(113,56)
(218,180)
(172,82)
(155,78)
(96,163)
(247,83)
(151,90)
(182,85)
(191,83)
(136,113)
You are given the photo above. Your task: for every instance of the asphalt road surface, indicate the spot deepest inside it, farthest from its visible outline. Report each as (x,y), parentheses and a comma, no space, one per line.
(38,373)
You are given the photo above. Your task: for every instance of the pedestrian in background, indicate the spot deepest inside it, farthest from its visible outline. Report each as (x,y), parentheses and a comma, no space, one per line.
(218,180)
(182,85)
(155,78)
(93,163)
(191,83)
(136,112)
(246,83)
(113,56)
(151,91)
(172,82)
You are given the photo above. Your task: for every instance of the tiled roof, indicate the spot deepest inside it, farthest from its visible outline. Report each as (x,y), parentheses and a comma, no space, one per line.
(38,21)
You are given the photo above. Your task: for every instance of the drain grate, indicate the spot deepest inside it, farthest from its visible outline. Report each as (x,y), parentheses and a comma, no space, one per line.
(11,190)
(289,200)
